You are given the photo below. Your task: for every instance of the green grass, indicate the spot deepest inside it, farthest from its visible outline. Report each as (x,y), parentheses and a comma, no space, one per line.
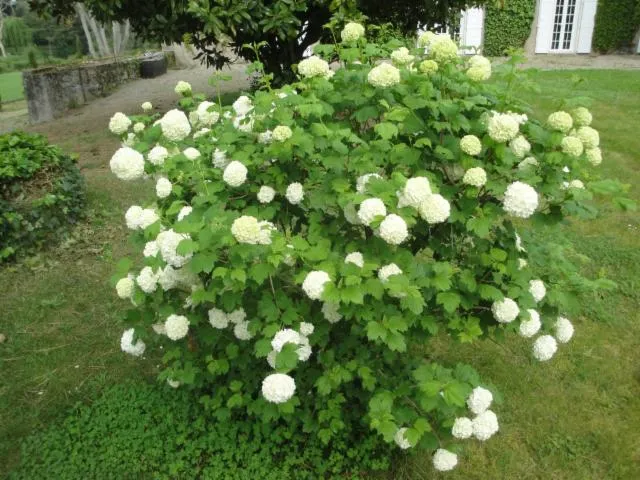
(575,417)
(11,86)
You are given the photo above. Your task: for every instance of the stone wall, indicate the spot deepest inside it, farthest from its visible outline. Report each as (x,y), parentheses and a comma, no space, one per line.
(51,91)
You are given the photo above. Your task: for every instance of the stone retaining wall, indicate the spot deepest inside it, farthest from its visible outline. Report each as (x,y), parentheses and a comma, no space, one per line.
(51,91)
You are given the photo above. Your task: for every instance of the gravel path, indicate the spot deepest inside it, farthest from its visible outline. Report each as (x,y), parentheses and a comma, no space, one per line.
(552,62)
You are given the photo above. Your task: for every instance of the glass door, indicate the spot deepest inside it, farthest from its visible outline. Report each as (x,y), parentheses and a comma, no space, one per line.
(563,25)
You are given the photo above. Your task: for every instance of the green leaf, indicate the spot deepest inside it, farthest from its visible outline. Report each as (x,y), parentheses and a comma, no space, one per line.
(376,331)
(449,300)
(239,274)
(287,358)
(386,130)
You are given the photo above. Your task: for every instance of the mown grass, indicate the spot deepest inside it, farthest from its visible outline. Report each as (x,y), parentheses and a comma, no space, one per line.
(11,86)
(576,417)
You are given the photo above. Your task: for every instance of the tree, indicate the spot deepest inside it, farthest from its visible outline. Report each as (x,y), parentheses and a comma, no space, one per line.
(5,6)
(287,28)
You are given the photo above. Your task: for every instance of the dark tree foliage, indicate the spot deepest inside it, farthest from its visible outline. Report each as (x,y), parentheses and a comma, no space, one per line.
(287,27)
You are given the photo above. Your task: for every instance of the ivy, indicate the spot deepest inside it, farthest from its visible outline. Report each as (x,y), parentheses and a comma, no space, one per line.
(616,24)
(507,25)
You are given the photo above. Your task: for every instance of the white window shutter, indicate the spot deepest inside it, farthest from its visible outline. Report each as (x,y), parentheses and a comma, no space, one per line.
(546,12)
(587,22)
(471,29)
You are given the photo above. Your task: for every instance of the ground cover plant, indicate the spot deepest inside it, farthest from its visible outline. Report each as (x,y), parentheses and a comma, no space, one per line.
(568,418)
(307,242)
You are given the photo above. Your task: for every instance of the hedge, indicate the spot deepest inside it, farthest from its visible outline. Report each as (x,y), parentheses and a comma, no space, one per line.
(616,24)
(42,193)
(507,25)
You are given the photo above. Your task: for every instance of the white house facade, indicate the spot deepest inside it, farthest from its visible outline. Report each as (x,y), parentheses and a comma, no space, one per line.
(559,26)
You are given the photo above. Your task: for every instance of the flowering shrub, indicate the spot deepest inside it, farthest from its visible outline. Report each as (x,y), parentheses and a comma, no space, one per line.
(307,243)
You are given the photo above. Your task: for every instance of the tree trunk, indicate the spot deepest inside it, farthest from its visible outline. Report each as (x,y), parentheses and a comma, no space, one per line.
(115,34)
(125,36)
(85,27)
(2,50)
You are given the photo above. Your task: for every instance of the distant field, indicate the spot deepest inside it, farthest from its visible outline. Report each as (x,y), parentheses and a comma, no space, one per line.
(11,86)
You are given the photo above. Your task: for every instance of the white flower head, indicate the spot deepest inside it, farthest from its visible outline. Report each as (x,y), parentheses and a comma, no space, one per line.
(281,338)
(168,242)
(505,310)
(370,209)
(119,123)
(401,439)
(176,326)
(462,428)
(295,193)
(133,217)
(564,330)
(594,156)
(503,127)
(184,211)
(520,200)
(265,137)
(401,56)
(479,400)
(281,133)
(151,249)
(241,331)
(242,106)
(125,287)
(362,180)
(313,66)
(435,209)
(560,121)
(173,383)
(589,137)
(471,145)
(218,319)
(572,146)
(207,115)
(138,127)
(246,229)
(528,328)
(520,146)
(127,164)
(266,194)
(147,280)
(306,328)
(428,66)
(314,283)
(237,316)
(351,32)
(163,187)
(415,191)
(356,258)
(544,348)
(384,76)
(485,425)
(387,271)
(127,345)
(393,229)
(444,460)
(157,155)
(278,388)
(175,125)
(442,48)
(146,107)
(528,162)
(191,153)
(235,174)
(475,177)
(581,117)
(331,312)
(183,88)
(425,38)
(219,158)
(537,290)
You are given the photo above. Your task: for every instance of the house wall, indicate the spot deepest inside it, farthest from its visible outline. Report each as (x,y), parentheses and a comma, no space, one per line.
(530,44)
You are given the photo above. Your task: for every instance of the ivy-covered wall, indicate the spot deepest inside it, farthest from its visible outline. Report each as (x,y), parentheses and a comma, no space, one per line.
(507,25)
(617,22)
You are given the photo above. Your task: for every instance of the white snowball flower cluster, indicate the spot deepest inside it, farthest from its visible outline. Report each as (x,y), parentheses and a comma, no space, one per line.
(351,32)
(173,278)
(235,174)
(168,242)
(370,209)
(528,328)
(401,439)
(241,331)
(138,218)
(462,428)
(331,312)
(520,146)
(475,177)
(218,319)
(522,263)
(589,137)
(265,137)
(435,209)
(503,127)
(393,229)
(362,180)
(130,141)
(294,193)
(242,106)
(127,345)
(138,127)
(479,400)
(581,117)
(278,388)
(176,326)
(163,187)
(520,200)
(314,282)
(560,121)
(313,66)
(594,156)
(425,38)
(151,249)
(444,460)
(146,107)
(175,125)
(401,56)
(537,290)
(415,191)
(173,383)
(284,336)
(183,88)
(266,194)
(505,310)
(125,287)
(184,211)
(564,329)
(147,280)
(485,425)
(119,123)
(544,348)
(442,48)
(388,271)
(428,67)
(191,153)
(157,155)
(471,145)
(281,133)
(384,75)
(306,328)
(206,114)
(479,68)
(247,229)
(572,146)
(127,164)
(219,158)
(356,258)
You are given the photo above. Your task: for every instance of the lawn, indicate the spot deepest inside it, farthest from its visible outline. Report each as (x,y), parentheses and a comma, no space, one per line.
(575,417)
(11,86)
